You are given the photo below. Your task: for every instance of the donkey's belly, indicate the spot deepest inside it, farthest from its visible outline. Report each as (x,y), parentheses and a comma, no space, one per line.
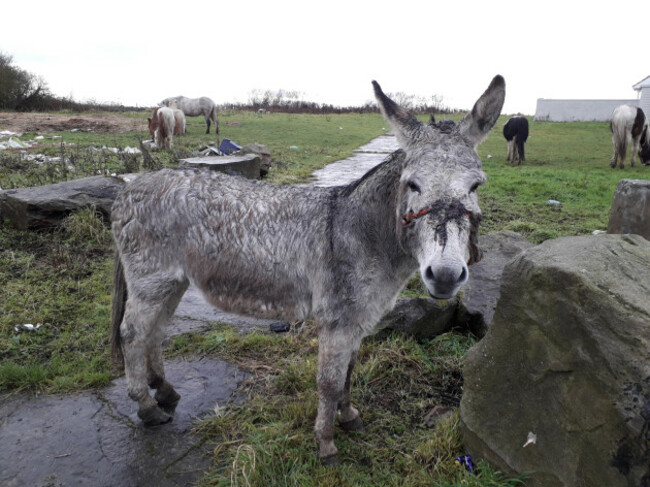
(251,297)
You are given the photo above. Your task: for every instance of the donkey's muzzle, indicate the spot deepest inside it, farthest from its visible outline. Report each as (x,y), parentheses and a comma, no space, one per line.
(444,282)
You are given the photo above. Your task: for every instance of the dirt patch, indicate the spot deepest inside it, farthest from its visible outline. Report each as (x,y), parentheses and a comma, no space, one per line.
(48,122)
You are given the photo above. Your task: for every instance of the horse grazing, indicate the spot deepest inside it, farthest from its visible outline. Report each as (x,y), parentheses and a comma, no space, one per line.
(162,127)
(629,123)
(516,133)
(179,122)
(340,255)
(193,107)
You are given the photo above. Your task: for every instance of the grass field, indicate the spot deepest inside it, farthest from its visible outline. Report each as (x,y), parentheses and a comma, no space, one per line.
(62,279)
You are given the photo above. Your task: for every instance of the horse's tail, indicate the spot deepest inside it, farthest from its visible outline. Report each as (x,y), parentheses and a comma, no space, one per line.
(522,136)
(117,311)
(619,132)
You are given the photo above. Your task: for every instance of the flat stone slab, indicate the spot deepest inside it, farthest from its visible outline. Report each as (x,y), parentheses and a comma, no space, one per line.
(363,160)
(97,439)
(385,144)
(246,165)
(46,206)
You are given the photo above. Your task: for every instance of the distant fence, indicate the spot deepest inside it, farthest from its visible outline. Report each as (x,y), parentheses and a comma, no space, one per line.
(577,110)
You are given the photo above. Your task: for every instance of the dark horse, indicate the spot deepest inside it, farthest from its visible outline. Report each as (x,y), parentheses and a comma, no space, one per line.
(516,133)
(340,255)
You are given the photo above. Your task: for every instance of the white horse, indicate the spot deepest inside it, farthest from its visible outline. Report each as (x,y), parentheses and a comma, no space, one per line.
(629,124)
(193,107)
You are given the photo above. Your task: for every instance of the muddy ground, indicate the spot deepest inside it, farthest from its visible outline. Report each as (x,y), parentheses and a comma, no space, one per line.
(44,123)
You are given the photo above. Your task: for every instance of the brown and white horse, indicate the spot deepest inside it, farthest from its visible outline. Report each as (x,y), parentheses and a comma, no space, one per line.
(162,127)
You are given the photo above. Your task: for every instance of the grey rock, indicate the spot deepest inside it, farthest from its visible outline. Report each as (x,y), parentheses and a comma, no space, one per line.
(46,206)
(630,211)
(247,165)
(567,358)
(483,288)
(420,317)
(261,150)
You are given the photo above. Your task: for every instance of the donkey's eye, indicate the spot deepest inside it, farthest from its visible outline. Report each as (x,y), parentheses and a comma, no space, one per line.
(414,187)
(474,187)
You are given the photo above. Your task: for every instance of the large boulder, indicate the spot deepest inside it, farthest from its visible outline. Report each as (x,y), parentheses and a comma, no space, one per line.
(46,206)
(565,366)
(630,211)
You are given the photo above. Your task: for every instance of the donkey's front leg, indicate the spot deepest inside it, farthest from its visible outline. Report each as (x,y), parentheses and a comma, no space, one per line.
(349,418)
(336,349)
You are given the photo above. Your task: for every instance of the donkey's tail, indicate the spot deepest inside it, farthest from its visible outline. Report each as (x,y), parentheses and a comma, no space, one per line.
(117,312)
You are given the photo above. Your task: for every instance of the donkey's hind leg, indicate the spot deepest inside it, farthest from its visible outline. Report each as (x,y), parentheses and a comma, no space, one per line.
(166,397)
(150,302)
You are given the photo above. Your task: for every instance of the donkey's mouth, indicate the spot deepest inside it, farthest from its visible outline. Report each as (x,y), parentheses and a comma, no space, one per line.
(442,295)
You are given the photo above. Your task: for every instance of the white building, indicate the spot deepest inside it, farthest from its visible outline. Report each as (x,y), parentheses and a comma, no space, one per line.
(643,87)
(550,110)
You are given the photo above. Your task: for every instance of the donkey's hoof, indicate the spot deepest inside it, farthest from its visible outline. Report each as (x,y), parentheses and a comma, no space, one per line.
(167,400)
(330,460)
(153,416)
(355,424)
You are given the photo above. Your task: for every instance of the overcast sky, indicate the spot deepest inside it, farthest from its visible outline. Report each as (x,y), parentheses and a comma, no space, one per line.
(139,52)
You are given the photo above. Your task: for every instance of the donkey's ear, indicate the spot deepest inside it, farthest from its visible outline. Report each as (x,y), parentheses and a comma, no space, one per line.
(407,128)
(477,124)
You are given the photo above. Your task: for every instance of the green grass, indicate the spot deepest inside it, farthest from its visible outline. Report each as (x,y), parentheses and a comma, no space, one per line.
(62,279)
(269,439)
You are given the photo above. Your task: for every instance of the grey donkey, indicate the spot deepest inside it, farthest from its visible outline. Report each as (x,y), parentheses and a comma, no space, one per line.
(338,255)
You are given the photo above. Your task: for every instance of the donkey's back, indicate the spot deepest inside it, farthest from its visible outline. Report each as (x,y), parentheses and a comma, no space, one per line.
(249,246)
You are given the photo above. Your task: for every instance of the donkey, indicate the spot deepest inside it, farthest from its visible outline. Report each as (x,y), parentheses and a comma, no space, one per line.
(339,255)
(629,123)
(193,107)
(515,132)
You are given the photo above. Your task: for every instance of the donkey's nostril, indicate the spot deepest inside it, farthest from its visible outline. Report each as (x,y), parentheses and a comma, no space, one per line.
(463,275)
(428,273)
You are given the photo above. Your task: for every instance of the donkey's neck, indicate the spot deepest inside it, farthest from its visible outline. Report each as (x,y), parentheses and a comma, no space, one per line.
(367,208)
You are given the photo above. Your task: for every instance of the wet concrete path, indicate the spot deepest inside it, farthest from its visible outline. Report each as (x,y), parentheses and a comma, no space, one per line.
(95,438)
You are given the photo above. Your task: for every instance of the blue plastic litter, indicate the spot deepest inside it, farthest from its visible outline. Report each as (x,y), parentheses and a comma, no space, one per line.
(228,146)
(465,461)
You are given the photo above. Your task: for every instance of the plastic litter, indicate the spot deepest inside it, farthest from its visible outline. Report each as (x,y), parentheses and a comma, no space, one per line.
(17,144)
(466,462)
(28,327)
(228,146)
(554,203)
(532,439)
(280,327)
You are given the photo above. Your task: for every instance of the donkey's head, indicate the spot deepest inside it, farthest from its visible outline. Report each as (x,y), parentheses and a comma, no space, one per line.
(438,214)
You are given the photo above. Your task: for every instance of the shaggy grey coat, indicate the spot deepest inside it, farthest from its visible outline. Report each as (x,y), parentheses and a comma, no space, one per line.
(339,255)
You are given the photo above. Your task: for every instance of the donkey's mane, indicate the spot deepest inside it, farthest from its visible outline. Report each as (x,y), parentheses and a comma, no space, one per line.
(353,186)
